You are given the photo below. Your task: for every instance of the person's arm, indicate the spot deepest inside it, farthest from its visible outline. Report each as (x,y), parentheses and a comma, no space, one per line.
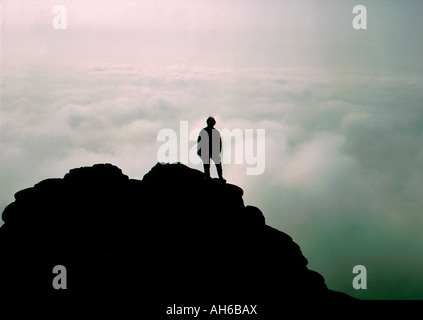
(198,144)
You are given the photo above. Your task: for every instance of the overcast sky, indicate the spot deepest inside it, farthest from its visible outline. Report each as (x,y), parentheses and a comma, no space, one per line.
(341,108)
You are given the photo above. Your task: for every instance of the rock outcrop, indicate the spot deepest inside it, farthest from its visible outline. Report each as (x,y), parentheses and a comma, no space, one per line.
(171,238)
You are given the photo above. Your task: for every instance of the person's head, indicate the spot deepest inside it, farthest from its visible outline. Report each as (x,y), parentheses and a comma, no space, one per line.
(210,121)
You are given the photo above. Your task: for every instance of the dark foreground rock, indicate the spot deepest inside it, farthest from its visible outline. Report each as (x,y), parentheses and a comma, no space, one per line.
(173,238)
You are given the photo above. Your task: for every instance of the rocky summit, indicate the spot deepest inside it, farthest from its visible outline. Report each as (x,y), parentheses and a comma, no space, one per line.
(171,240)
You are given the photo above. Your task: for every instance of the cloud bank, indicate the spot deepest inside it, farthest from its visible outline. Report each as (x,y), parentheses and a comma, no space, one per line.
(343,153)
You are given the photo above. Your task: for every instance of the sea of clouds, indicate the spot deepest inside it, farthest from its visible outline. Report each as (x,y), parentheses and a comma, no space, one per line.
(344,151)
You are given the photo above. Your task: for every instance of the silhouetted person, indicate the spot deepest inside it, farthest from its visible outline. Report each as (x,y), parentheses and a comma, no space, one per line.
(209,146)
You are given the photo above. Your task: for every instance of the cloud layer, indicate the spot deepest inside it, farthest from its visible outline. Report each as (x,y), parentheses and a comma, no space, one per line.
(343,153)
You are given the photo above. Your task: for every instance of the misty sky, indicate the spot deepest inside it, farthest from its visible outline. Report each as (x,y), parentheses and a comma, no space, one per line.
(342,109)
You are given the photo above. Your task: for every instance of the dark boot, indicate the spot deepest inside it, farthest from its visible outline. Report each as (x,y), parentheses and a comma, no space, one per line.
(206,170)
(220,172)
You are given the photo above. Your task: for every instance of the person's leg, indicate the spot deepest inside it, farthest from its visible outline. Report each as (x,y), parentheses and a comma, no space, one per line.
(206,169)
(219,169)
(206,165)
